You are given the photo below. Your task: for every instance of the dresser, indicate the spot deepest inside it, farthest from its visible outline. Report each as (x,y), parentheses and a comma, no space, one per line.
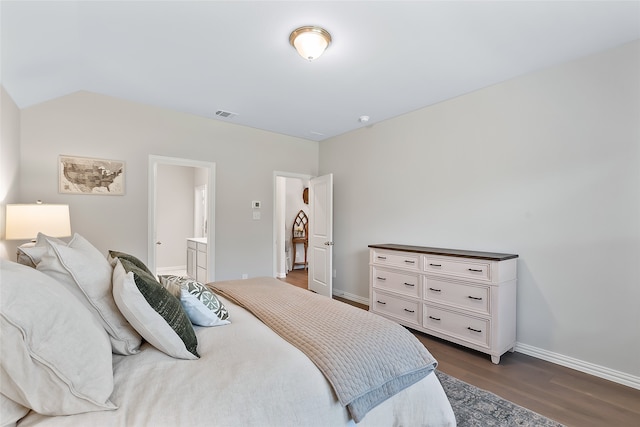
(466,297)
(197,258)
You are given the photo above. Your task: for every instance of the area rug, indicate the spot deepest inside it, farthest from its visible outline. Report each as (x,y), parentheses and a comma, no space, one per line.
(474,407)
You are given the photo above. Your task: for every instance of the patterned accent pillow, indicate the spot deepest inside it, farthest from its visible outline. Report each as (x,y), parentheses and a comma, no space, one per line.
(198,313)
(200,291)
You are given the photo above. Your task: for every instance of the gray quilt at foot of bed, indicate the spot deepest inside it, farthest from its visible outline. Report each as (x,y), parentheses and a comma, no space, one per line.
(365,357)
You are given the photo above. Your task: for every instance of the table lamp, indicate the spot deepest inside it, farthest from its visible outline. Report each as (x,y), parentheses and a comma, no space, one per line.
(25,221)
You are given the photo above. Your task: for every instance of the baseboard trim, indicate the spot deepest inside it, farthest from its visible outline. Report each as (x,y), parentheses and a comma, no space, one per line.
(580,365)
(350,297)
(162,270)
(559,359)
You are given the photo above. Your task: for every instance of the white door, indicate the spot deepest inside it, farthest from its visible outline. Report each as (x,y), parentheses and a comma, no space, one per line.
(320,250)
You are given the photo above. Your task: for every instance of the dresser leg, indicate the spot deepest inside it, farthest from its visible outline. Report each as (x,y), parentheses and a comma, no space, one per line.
(495,360)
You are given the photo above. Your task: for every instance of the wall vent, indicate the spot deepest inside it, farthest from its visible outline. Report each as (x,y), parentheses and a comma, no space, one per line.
(226,114)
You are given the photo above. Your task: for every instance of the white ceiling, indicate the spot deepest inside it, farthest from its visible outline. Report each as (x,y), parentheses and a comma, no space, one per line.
(387,57)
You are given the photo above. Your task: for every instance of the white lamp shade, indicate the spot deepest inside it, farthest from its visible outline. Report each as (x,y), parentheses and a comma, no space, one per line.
(24,222)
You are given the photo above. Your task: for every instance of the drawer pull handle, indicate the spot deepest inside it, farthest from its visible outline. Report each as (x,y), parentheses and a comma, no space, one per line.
(409,284)
(435,265)
(382,257)
(474,330)
(435,290)
(380,302)
(475,270)
(434,318)
(409,311)
(475,298)
(381,278)
(409,261)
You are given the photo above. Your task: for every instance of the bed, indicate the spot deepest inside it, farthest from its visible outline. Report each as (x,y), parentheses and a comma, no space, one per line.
(61,367)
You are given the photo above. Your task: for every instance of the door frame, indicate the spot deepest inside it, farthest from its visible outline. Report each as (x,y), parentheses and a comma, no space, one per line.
(154,161)
(275,229)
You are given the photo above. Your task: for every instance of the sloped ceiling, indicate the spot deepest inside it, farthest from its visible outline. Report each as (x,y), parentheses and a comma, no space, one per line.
(387,57)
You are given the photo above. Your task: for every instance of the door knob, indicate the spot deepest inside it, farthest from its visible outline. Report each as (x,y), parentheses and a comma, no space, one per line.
(158,243)
(328,243)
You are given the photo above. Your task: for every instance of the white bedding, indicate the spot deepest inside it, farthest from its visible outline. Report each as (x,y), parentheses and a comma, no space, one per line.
(246,376)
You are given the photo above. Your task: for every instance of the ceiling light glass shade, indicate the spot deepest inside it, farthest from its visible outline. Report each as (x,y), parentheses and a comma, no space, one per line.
(24,222)
(310,42)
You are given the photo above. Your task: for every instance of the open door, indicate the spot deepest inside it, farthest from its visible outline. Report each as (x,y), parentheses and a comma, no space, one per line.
(153,241)
(320,250)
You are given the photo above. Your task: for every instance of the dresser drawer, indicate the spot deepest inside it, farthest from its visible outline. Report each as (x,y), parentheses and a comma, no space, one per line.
(404,260)
(480,270)
(457,325)
(462,295)
(396,281)
(408,311)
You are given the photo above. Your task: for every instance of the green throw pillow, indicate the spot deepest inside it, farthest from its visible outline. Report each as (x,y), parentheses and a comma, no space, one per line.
(165,304)
(135,261)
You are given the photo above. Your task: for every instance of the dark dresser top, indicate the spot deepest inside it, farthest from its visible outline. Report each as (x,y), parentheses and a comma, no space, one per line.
(491,256)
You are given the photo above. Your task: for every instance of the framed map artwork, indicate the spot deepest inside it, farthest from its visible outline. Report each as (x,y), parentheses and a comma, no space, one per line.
(84,175)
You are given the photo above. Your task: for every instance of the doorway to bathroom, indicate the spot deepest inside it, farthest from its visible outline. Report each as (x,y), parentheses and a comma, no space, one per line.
(181,217)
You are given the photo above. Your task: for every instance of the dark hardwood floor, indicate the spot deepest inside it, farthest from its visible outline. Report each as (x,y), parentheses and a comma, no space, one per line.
(568,396)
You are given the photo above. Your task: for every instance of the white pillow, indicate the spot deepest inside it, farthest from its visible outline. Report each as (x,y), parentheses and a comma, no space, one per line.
(87,274)
(147,319)
(198,313)
(55,357)
(10,411)
(30,254)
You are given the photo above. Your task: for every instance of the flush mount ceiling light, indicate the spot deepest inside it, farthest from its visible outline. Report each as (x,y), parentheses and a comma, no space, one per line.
(310,42)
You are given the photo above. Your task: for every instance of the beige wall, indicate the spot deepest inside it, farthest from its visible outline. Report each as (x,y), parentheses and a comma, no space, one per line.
(91,125)
(546,166)
(9,166)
